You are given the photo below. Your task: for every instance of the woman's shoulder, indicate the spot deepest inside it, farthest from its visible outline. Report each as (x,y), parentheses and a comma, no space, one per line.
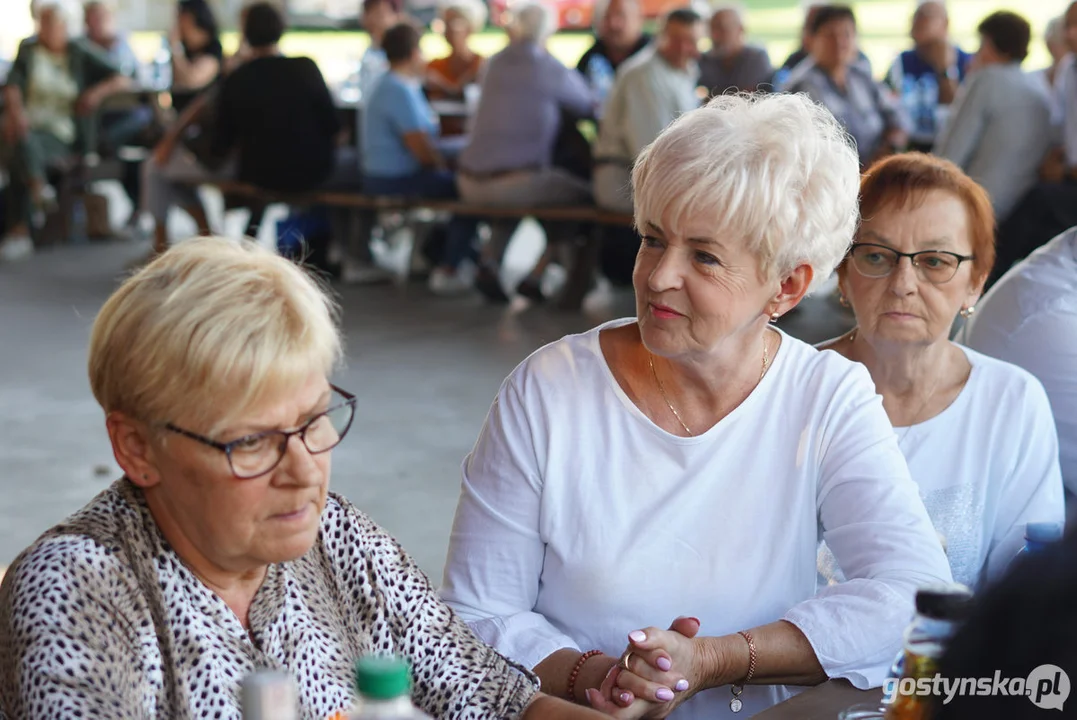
(1004,384)
(565,363)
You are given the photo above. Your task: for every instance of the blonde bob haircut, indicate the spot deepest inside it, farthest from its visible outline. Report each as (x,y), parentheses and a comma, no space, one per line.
(208,330)
(776,172)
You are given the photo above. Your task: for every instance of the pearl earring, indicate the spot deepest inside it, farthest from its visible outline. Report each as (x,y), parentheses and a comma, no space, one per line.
(967,312)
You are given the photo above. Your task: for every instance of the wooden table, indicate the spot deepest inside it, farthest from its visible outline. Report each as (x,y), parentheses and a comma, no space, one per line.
(822,702)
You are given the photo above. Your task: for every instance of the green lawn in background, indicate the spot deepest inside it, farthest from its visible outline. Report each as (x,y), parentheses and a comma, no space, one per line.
(883,28)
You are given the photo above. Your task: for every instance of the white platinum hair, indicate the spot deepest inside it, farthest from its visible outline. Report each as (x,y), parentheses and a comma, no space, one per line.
(533,21)
(776,171)
(67,10)
(473,11)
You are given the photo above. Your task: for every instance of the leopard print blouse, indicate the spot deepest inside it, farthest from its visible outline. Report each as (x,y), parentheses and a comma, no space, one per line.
(100,619)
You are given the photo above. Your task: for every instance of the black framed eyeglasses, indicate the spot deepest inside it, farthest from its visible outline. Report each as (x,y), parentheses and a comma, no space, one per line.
(878,261)
(255,455)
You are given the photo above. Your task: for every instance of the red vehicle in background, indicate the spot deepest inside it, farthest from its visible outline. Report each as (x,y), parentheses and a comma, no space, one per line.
(578,14)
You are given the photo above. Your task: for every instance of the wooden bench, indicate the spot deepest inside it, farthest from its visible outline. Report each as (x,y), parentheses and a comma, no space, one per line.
(584,262)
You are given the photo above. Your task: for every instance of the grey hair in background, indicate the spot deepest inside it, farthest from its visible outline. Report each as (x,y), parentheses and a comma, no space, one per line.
(533,21)
(599,12)
(776,172)
(69,10)
(473,10)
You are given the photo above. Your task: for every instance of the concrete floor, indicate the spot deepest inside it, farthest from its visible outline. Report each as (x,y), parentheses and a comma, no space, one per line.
(425,370)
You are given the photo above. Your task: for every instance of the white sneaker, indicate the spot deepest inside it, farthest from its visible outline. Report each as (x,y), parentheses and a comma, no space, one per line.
(357,273)
(443,282)
(16,247)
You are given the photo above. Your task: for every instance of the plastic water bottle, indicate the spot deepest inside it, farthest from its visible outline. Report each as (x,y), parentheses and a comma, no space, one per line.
(269,695)
(940,609)
(384,686)
(600,74)
(1038,535)
(162,66)
(781,77)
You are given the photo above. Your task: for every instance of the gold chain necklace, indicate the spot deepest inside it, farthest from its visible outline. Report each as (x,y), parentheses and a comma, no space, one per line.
(661,389)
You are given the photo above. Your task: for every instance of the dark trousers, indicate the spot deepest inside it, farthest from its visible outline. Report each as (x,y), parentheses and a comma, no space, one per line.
(1047,210)
(123,127)
(433,185)
(28,161)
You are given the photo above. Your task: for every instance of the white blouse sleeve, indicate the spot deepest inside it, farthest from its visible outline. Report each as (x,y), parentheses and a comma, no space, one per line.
(1033,488)
(879,532)
(495,549)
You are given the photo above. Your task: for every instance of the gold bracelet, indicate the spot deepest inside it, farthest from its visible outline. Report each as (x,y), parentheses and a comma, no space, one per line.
(737,688)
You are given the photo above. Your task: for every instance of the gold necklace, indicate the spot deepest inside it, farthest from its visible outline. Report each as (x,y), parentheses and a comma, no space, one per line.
(923,406)
(662,389)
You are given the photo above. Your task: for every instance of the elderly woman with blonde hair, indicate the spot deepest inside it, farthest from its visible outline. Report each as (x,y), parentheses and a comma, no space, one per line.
(221,550)
(685,463)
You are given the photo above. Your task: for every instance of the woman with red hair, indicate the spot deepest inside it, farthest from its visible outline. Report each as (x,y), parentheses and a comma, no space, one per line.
(977,433)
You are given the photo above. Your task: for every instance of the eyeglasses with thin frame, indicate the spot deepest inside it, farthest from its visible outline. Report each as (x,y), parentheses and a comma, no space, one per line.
(878,261)
(254,455)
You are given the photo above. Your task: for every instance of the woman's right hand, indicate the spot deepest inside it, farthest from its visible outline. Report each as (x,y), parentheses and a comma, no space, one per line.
(633,709)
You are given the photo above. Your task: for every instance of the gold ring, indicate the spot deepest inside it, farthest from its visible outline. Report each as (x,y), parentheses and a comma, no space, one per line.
(623,663)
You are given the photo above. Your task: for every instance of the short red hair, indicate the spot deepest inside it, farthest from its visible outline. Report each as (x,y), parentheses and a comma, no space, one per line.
(903,181)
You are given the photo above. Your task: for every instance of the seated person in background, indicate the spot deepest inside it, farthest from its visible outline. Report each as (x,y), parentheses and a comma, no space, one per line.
(976,432)
(401,154)
(378,16)
(618,36)
(446,77)
(197,56)
(731,65)
(651,91)
(53,88)
(509,157)
(803,52)
(926,77)
(100,24)
(833,79)
(688,425)
(1051,79)
(999,129)
(221,550)
(275,127)
(1050,207)
(1029,619)
(1029,318)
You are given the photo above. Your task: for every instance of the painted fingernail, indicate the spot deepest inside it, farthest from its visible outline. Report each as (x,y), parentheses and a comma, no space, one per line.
(663,664)
(664,694)
(681,685)
(626,698)
(637,636)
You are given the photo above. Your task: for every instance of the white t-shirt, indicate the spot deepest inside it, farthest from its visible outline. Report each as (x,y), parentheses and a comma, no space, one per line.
(1029,318)
(986,466)
(581,520)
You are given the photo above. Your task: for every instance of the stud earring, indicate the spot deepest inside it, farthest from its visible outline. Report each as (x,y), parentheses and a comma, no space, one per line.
(967,312)
(774,316)
(842,300)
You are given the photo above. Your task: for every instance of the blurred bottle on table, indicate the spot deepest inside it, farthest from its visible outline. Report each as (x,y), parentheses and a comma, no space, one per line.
(940,610)
(384,687)
(269,695)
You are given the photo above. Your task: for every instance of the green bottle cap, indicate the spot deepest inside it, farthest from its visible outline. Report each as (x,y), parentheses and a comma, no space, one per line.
(382,678)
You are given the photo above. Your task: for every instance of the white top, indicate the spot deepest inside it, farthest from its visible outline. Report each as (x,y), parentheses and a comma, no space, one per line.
(1029,318)
(1069,113)
(998,132)
(1055,90)
(581,520)
(647,95)
(987,465)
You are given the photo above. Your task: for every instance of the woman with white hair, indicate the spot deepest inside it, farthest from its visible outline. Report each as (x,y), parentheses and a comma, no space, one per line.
(221,550)
(509,158)
(685,463)
(446,77)
(51,93)
(1051,79)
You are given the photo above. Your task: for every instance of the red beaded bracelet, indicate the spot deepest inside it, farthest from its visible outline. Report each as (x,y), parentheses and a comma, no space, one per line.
(576,672)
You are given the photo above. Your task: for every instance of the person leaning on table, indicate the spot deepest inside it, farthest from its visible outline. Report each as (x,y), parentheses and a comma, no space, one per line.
(687,461)
(221,550)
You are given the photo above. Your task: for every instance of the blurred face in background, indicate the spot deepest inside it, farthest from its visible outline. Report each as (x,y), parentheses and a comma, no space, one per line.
(834,45)
(678,43)
(457,30)
(727,33)
(805,32)
(52,30)
(622,24)
(100,26)
(929,24)
(379,17)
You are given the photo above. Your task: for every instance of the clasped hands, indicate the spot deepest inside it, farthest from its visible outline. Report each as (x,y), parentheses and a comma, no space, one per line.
(658,671)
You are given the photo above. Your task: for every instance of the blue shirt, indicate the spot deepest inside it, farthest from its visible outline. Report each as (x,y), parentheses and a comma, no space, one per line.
(916,84)
(395,107)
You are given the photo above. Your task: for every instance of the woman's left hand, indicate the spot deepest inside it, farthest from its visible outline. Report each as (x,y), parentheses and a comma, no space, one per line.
(665,668)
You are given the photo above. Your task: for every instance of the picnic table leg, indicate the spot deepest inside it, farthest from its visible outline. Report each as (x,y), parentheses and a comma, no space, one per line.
(580,275)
